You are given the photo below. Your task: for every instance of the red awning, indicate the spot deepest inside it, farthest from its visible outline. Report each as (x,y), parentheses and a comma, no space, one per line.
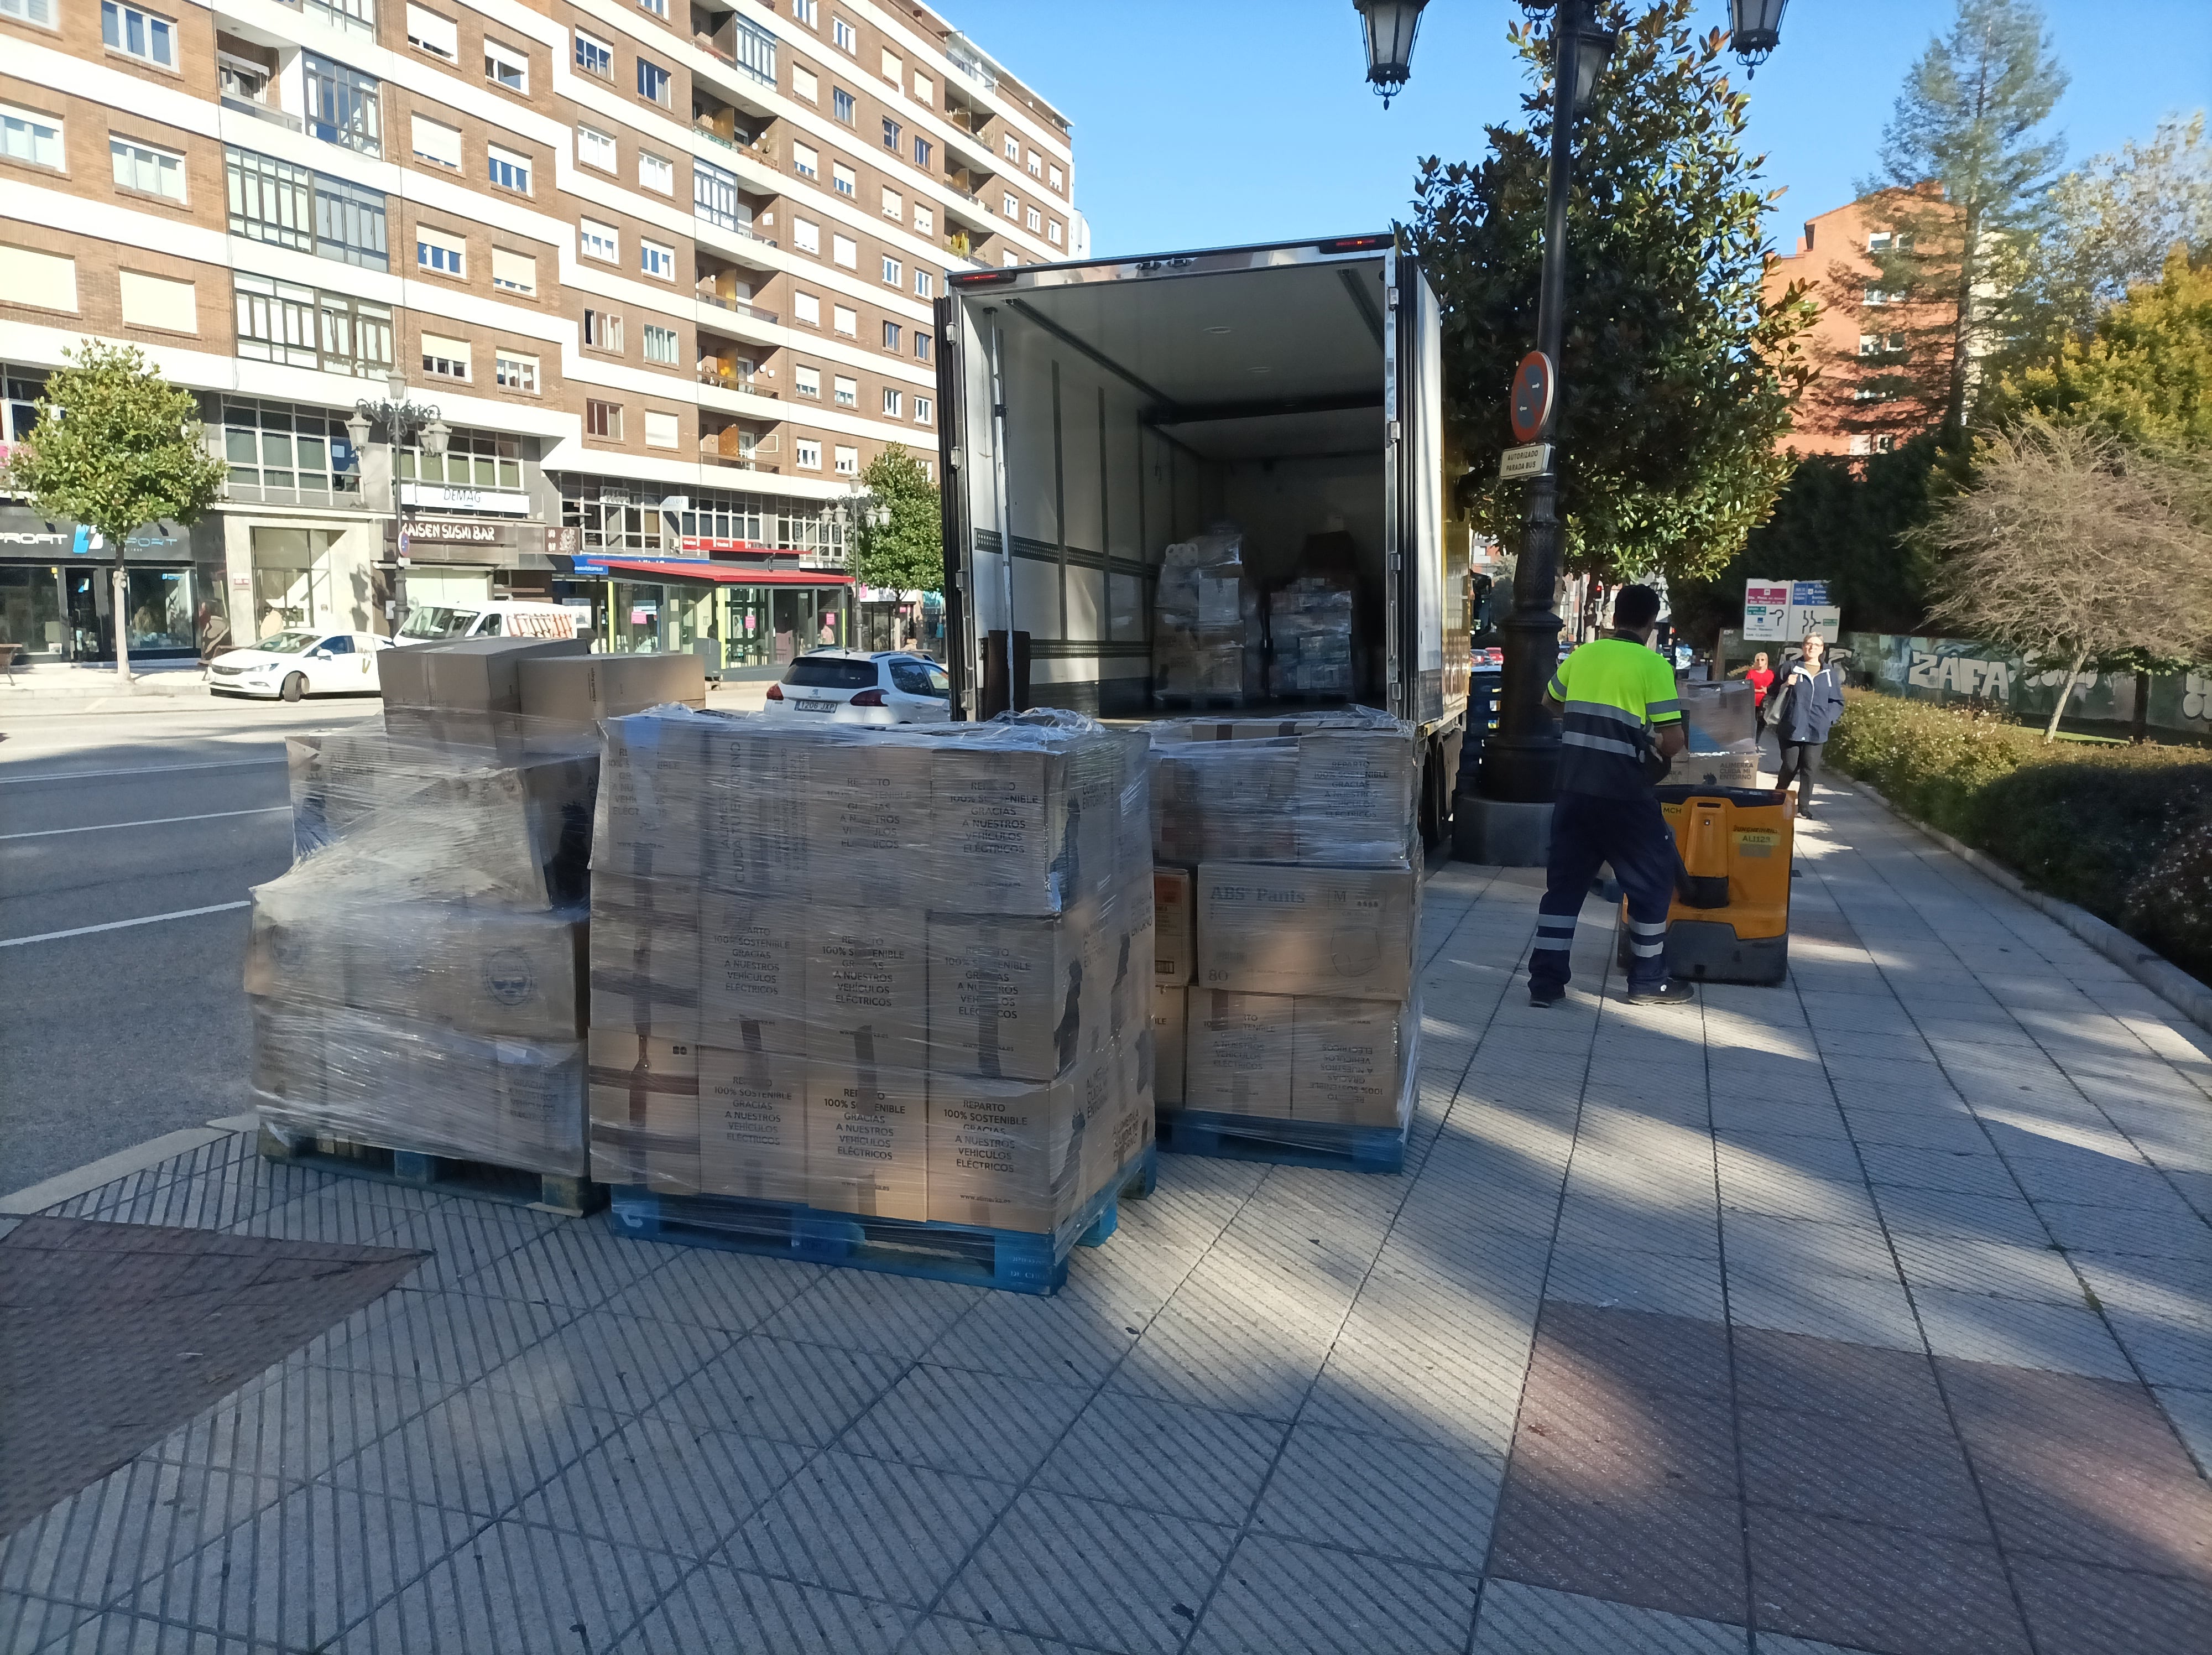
(726,573)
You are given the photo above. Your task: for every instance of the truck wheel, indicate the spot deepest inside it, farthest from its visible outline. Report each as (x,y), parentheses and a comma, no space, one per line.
(295,686)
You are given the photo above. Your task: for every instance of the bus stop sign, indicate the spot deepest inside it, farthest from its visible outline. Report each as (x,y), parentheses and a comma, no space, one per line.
(1534,383)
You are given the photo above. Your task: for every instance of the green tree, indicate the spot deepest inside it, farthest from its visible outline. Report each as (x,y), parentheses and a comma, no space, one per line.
(1677,377)
(905,551)
(2145,374)
(116,446)
(1962,194)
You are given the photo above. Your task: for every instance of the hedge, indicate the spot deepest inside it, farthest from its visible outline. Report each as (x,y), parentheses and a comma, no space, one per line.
(2123,831)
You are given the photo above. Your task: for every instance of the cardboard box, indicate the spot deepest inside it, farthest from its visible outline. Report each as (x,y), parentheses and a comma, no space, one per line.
(1003,1153)
(542,1123)
(651,799)
(482,970)
(867,1140)
(867,819)
(1170,1007)
(645,949)
(574,692)
(1005,841)
(475,675)
(867,997)
(756,780)
(1174,938)
(294,953)
(752,974)
(1353,800)
(1348,1061)
(1224,790)
(1018,999)
(288,1057)
(1332,932)
(645,1111)
(1117,1109)
(1239,1054)
(752,1124)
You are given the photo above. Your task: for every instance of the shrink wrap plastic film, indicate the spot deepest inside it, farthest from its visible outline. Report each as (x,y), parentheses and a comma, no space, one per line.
(1301,834)
(1724,737)
(1310,638)
(904,972)
(417,979)
(1206,623)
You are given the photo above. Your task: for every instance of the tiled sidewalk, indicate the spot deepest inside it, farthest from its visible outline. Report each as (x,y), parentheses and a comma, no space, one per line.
(1873,1311)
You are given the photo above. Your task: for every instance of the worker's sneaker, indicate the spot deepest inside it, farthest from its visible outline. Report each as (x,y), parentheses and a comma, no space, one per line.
(1669,993)
(1546,994)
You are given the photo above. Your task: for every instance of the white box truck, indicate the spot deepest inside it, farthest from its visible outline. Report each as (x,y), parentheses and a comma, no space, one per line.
(1094,414)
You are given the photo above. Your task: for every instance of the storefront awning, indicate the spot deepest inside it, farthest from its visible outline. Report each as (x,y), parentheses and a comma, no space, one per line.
(724,574)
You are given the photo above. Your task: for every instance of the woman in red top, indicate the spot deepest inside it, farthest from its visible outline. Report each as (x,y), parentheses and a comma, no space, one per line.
(1760,677)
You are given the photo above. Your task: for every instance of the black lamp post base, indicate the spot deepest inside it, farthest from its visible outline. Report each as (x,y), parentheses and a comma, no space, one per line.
(1500,834)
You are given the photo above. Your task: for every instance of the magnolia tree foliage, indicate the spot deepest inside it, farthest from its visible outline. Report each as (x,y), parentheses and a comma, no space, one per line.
(906,552)
(1677,377)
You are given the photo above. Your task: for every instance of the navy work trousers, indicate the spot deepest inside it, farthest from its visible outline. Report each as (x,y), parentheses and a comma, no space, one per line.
(1633,836)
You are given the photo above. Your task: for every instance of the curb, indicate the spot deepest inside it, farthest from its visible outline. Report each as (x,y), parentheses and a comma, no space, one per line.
(2145,965)
(66,1186)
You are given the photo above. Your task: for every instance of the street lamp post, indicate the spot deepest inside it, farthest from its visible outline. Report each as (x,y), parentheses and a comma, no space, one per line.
(404,423)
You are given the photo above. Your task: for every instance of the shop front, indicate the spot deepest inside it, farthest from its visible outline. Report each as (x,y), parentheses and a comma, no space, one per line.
(57,600)
(737,615)
(461,562)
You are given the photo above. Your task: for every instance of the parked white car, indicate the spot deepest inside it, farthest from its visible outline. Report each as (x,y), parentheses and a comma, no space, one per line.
(493,618)
(294,664)
(850,686)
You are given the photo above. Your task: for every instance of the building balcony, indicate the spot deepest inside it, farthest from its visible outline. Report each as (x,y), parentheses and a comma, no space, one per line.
(737,306)
(722,379)
(262,112)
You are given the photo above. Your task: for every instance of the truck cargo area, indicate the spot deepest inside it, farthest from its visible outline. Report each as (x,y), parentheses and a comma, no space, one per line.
(1287,392)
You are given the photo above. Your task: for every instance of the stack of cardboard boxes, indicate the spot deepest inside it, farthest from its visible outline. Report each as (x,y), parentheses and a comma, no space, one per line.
(1310,638)
(417,978)
(1289,899)
(892,972)
(1205,623)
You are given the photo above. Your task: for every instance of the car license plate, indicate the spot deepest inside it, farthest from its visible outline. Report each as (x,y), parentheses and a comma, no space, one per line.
(818,706)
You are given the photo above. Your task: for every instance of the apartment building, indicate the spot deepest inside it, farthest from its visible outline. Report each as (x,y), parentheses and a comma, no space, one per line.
(666,270)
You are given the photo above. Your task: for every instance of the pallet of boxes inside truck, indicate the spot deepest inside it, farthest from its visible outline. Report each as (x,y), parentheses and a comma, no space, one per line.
(874,997)
(417,978)
(1287,896)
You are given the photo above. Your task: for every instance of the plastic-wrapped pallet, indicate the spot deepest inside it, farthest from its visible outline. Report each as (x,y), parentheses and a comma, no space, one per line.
(847,979)
(418,978)
(1724,737)
(1301,1025)
(1205,623)
(1309,639)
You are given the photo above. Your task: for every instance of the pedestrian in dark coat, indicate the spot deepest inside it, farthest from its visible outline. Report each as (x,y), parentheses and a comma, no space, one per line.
(1811,700)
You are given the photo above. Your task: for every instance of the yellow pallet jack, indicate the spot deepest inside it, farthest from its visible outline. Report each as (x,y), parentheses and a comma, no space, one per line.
(1730,922)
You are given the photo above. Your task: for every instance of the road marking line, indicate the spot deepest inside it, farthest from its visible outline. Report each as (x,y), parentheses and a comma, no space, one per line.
(121,925)
(151,821)
(143,770)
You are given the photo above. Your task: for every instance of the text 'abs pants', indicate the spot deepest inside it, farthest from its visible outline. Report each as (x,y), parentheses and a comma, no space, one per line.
(1633,836)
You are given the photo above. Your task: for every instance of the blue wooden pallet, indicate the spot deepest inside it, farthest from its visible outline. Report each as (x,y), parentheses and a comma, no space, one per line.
(1288,1143)
(1018,1261)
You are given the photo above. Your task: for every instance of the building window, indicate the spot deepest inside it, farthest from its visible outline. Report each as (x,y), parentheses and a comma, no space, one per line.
(894,205)
(653,82)
(714,197)
(289,206)
(922,344)
(890,335)
(504,66)
(806,161)
(925,220)
(593,148)
(40,12)
(1010,258)
(1013,148)
(600,240)
(921,411)
(1035,170)
(1013,207)
(282,455)
(34,138)
(809,453)
(513,272)
(603,331)
(843,179)
(657,174)
(842,34)
(154,172)
(1052,232)
(848,462)
(805,85)
(655,260)
(1036,221)
(138,33)
(807,12)
(443,254)
(893,273)
(806,307)
(593,57)
(515,373)
(473,459)
(806,381)
(435,141)
(845,321)
(1056,179)
(444,358)
(925,89)
(890,135)
(843,250)
(1861,444)
(846,393)
(342,105)
(603,419)
(658,7)
(894,403)
(299,327)
(439,36)
(842,105)
(806,234)
(892,67)
(507,169)
(923,152)
(659,344)
(662,430)
(925,284)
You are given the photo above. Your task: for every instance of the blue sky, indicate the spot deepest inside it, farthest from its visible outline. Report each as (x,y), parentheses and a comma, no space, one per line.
(1212,122)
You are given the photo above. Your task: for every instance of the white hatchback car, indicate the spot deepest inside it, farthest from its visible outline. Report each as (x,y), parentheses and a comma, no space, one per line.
(294,664)
(849,686)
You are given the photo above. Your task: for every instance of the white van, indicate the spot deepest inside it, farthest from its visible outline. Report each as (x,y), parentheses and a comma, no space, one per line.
(487,617)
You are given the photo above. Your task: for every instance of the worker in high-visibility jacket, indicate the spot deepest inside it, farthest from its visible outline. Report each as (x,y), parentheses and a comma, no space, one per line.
(1622,725)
